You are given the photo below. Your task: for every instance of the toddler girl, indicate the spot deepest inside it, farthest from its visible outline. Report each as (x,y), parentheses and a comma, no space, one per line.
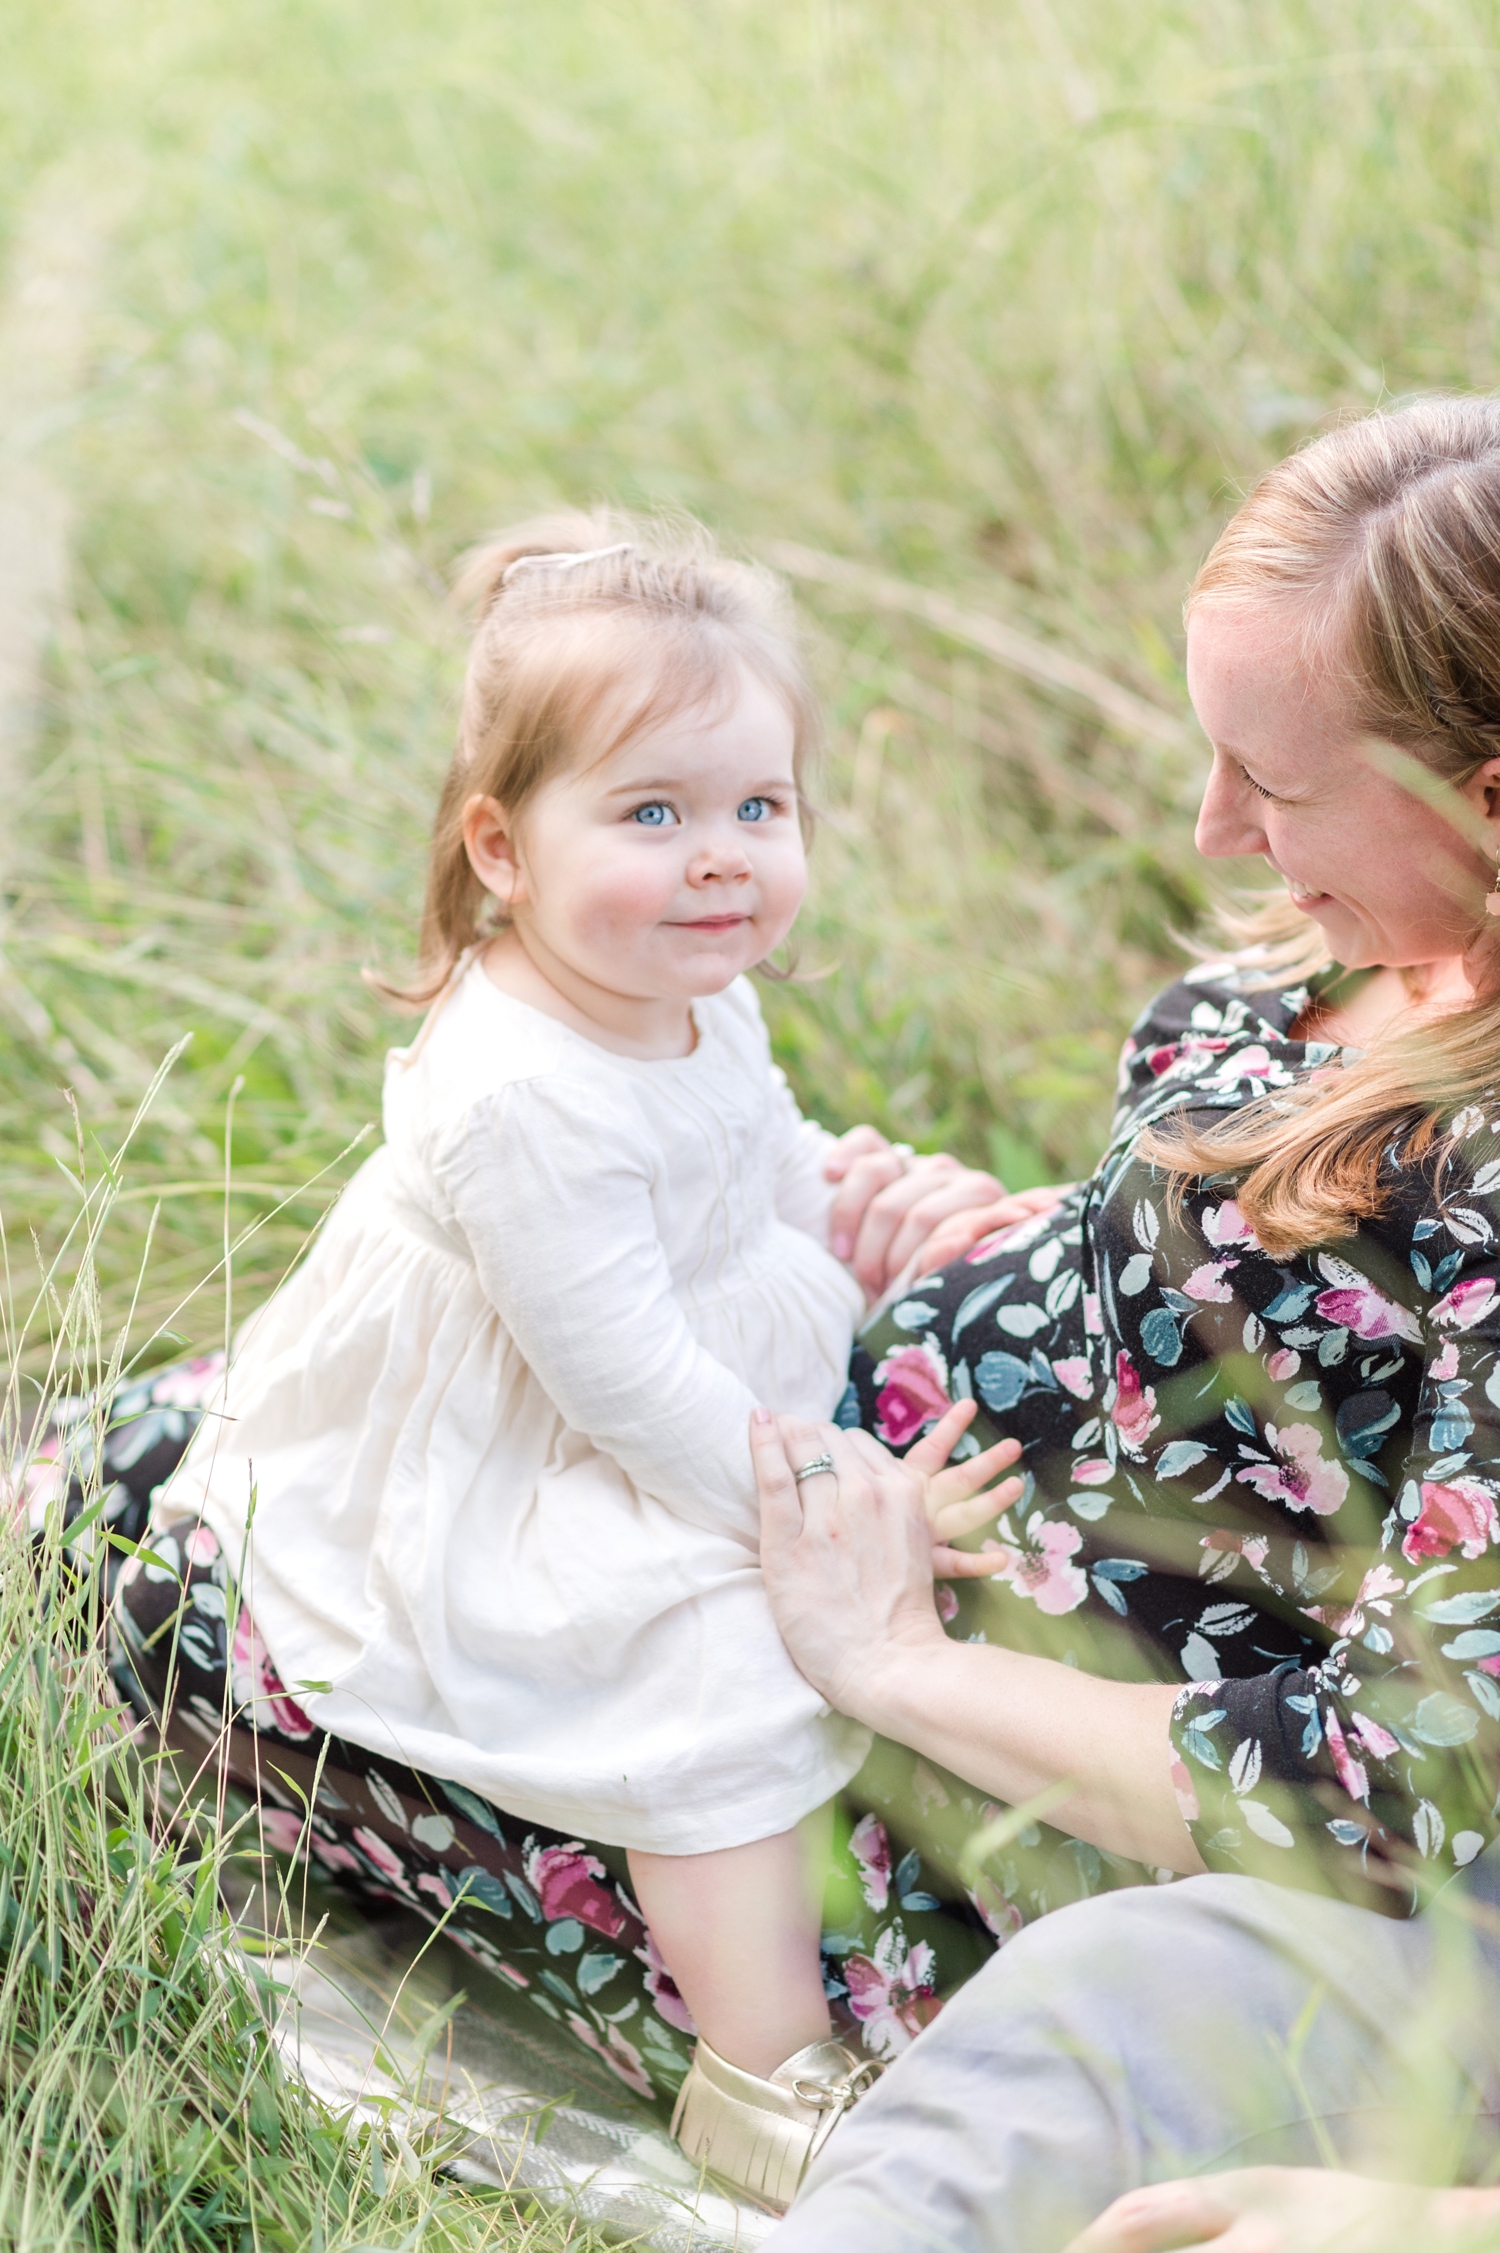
(496,1427)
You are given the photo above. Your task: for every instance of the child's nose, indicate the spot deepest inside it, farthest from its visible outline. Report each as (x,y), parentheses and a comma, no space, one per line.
(719,857)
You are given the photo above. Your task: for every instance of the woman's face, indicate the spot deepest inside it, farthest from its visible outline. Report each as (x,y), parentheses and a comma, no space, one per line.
(1393,878)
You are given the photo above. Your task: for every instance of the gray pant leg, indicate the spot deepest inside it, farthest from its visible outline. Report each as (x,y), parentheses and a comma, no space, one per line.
(1218,2022)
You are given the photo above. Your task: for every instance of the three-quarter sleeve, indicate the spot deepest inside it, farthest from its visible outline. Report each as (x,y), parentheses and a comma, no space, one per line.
(1375,1772)
(559,1218)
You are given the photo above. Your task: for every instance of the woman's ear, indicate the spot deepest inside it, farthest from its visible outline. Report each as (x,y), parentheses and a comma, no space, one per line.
(490,842)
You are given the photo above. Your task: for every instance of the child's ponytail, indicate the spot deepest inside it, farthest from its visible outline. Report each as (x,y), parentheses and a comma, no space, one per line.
(587,628)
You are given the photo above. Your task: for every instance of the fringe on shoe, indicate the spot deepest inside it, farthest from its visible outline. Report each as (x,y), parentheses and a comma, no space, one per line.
(761,2136)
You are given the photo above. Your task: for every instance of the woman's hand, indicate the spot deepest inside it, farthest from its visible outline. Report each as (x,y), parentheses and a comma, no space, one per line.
(890,1203)
(961,1231)
(1292,2210)
(848,1556)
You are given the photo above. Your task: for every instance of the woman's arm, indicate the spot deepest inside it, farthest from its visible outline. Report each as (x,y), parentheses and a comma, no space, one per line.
(848,1566)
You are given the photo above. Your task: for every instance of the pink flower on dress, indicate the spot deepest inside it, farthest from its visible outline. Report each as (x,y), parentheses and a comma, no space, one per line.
(1226,1224)
(332,1855)
(189,1384)
(891,1992)
(1185,1790)
(1075,1375)
(257,1686)
(1376,1741)
(1134,1411)
(1000,1914)
(1368,1313)
(1445,1365)
(1351,1772)
(1283,1363)
(200,1547)
(282,1831)
(1093,1318)
(1040,1569)
(1467,1303)
(663,1990)
(567,1882)
(946,1601)
(1222,1548)
(871,1850)
(1207,1284)
(1455,1514)
(618,2054)
(1302,1480)
(1094,1470)
(1377,1588)
(913,1393)
(385,1862)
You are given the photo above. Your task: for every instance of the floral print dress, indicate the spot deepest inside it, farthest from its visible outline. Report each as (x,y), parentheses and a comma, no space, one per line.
(1273,1481)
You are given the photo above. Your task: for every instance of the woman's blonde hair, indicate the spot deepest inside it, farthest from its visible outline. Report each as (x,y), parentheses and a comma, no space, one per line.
(591,629)
(1384,535)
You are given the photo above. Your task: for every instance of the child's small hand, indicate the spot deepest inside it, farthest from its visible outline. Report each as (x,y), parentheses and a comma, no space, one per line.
(952,1492)
(961,1231)
(890,1201)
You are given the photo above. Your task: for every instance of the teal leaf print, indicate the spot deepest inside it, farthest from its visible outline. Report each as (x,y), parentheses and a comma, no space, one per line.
(1363,1421)
(1309,1395)
(1000,1379)
(477,1885)
(1241,1415)
(1458,1611)
(1288,1304)
(976,1302)
(1441,1720)
(1179,1455)
(1475,1642)
(1161,1337)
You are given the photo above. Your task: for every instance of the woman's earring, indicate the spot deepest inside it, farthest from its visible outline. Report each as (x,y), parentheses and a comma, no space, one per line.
(1492,896)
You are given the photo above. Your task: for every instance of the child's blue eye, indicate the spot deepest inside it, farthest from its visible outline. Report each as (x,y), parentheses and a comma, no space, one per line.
(756,809)
(654,816)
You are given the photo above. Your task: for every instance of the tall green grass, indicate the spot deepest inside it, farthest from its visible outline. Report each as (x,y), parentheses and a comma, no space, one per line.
(1003,299)
(143,2105)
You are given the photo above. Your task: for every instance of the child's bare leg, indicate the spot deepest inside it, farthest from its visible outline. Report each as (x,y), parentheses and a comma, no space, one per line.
(739,1932)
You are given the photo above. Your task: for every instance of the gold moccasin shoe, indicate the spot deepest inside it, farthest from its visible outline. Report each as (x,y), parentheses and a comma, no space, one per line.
(762,2136)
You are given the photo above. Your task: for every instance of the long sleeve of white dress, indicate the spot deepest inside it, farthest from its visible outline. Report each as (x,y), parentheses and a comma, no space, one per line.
(564,1235)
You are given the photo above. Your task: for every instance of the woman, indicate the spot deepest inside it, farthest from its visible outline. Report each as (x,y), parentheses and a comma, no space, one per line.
(1255,1437)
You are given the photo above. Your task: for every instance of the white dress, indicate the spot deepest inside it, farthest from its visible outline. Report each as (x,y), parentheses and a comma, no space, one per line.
(497,1429)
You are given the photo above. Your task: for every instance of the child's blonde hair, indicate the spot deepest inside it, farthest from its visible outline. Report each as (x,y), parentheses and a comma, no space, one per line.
(592,628)
(1385,536)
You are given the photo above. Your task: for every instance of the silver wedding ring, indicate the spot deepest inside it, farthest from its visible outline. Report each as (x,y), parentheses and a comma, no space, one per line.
(812,1470)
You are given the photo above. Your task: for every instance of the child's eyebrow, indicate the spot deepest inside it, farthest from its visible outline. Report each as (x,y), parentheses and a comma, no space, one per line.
(666,785)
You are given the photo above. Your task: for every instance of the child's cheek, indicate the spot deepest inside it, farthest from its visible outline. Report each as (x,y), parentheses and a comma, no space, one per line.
(627,899)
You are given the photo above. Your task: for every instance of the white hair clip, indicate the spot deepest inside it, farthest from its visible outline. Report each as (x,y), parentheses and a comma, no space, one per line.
(564,559)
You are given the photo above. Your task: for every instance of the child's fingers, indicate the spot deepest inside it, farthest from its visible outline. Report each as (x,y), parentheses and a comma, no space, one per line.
(934,1448)
(967,1564)
(951,1520)
(975,1471)
(859,1142)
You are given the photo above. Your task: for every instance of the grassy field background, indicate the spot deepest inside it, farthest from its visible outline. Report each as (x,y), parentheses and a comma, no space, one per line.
(995,306)
(1004,301)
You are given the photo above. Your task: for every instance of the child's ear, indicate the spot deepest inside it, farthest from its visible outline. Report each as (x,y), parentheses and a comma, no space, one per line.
(490,842)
